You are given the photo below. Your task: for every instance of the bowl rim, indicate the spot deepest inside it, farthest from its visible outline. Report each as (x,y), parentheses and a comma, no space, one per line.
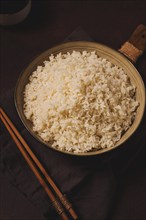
(66,46)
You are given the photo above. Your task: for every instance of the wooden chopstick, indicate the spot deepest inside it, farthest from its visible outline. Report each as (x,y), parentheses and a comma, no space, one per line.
(56,204)
(20,142)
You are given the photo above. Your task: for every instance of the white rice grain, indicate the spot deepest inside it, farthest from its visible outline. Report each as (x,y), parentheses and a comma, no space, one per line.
(79,102)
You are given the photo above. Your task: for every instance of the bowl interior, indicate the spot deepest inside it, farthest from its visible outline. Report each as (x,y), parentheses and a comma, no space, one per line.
(103,51)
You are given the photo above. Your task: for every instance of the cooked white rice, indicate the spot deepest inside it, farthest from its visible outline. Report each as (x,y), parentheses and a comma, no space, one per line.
(80,102)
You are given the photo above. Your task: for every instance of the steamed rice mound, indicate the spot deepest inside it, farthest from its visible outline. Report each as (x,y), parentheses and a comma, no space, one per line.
(80,102)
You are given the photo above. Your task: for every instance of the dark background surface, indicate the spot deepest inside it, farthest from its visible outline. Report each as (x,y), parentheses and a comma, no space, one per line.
(49,23)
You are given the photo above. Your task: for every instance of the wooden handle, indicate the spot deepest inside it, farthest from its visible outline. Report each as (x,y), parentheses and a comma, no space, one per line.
(135,46)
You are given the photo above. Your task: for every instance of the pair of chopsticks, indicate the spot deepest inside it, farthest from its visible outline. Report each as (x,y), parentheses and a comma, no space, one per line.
(34,164)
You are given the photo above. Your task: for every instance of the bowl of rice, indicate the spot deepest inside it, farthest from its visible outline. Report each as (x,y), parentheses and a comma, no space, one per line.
(81,98)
